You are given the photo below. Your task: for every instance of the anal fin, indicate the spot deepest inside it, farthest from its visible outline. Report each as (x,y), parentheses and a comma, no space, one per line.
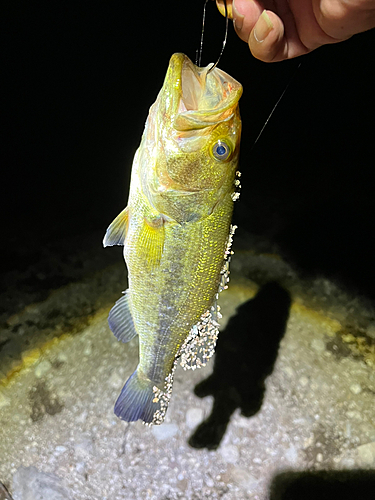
(120,319)
(116,232)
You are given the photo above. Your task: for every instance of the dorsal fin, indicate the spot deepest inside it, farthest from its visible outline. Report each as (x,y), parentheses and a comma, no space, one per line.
(116,232)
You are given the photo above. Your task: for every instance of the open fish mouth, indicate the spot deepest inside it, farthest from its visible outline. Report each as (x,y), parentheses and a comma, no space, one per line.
(204,97)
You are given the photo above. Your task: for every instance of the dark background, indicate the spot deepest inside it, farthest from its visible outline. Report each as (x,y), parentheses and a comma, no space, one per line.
(80,77)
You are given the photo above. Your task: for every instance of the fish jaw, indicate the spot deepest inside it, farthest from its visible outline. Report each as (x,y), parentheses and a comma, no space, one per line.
(195,109)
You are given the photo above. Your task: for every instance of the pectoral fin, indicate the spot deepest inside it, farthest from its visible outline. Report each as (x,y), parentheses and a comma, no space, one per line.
(120,320)
(151,240)
(116,232)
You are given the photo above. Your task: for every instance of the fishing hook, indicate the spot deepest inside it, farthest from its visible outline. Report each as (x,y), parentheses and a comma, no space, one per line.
(198,59)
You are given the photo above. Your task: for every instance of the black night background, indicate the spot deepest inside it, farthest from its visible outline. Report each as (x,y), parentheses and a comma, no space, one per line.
(79,79)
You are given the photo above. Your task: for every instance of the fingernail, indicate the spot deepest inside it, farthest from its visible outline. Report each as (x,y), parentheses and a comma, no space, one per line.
(237,18)
(262,27)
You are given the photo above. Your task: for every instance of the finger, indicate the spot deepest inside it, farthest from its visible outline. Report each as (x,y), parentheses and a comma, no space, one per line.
(245,15)
(273,40)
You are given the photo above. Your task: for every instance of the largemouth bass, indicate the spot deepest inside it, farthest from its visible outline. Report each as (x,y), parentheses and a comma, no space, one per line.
(176,231)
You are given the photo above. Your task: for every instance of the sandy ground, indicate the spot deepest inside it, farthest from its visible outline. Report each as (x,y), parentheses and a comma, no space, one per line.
(290,395)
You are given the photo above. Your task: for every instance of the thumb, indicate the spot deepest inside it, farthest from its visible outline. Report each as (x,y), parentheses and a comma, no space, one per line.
(267,40)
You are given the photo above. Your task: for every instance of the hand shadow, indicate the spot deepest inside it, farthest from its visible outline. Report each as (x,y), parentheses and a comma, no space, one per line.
(245,354)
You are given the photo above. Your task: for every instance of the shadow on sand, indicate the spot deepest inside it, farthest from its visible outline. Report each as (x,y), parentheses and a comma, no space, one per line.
(324,485)
(245,354)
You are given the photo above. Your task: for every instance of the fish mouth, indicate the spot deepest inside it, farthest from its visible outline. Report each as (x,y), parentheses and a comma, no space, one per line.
(204,97)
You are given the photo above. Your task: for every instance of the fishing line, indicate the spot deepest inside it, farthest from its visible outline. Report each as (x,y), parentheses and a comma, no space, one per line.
(199,52)
(275,106)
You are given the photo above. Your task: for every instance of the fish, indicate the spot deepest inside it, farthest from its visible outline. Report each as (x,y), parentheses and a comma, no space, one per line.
(176,232)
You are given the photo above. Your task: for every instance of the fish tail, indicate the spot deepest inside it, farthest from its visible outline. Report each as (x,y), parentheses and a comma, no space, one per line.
(136,400)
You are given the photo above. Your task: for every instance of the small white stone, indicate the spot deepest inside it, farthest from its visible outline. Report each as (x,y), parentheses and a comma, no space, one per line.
(347,462)
(88,349)
(291,454)
(115,381)
(354,415)
(81,468)
(164,431)
(4,401)
(243,478)
(194,417)
(210,483)
(366,454)
(319,457)
(356,388)
(59,450)
(42,368)
(303,381)
(318,345)
(84,448)
(230,453)
(288,371)
(62,357)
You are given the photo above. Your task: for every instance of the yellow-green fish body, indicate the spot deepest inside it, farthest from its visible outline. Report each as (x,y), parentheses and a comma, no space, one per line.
(175,231)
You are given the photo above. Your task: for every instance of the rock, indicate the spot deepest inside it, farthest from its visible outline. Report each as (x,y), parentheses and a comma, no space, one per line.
(31,484)
(4,401)
(356,388)
(366,454)
(243,478)
(194,417)
(164,431)
(42,368)
(291,454)
(116,381)
(318,345)
(230,453)
(84,448)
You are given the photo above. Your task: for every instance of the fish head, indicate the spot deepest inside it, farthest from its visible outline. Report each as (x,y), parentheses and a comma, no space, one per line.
(194,135)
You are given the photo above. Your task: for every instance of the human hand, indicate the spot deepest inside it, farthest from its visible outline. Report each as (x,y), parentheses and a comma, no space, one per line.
(292,28)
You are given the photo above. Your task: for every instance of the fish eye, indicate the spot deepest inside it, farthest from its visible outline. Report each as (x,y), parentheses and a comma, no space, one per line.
(221,150)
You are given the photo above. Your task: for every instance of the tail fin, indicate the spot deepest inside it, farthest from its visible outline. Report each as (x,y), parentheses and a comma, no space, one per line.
(136,400)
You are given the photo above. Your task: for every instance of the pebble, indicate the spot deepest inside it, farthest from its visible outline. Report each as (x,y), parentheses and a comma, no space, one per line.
(303,381)
(42,368)
(318,345)
(209,482)
(291,454)
(354,415)
(356,388)
(243,478)
(366,454)
(288,371)
(164,431)
(4,401)
(230,453)
(59,450)
(88,349)
(81,468)
(319,457)
(84,448)
(194,416)
(116,381)
(31,484)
